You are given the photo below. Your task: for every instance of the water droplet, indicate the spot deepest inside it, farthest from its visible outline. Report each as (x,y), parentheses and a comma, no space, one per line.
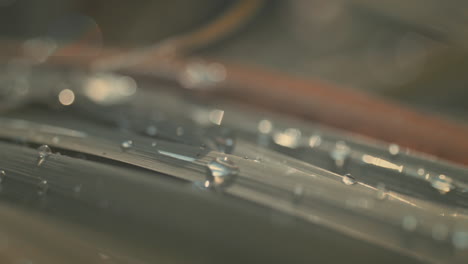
(348,179)
(298,193)
(409,223)
(225,144)
(221,172)
(265,126)
(340,154)
(77,188)
(440,232)
(2,176)
(43,151)
(128,144)
(151,130)
(154,144)
(216,116)
(315,141)
(180,131)
(290,138)
(394,149)
(56,140)
(442,183)
(421,172)
(381,191)
(460,239)
(43,187)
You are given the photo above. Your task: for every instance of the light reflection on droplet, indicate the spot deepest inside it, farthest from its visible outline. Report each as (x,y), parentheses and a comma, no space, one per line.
(43,187)
(43,152)
(340,153)
(128,144)
(348,179)
(443,184)
(265,126)
(290,138)
(221,171)
(108,89)
(66,97)
(2,176)
(394,149)
(315,141)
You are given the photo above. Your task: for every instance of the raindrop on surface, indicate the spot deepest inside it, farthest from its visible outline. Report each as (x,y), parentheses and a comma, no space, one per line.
(442,183)
(290,138)
(43,187)
(409,223)
(340,153)
(348,179)
(315,141)
(421,172)
(180,131)
(225,144)
(154,144)
(265,126)
(394,149)
(56,140)
(221,171)
(381,191)
(128,144)
(298,193)
(2,176)
(43,151)
(151,130)
(460,239)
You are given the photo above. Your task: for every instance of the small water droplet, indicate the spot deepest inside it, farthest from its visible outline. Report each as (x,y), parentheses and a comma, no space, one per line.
(221,171)
(440,232)
(180,131)
(151,130)
(460,239)
(348,179)
(265,126)
(43,187)
(56,140)
(409,223)
(298,193)
(128,144)
(43,152)
(225,144)
(2,176)
(340,154)
(77,188)
(421,172)
(394,149)
(154,144)
(381,191)
(315,141)
(442,183)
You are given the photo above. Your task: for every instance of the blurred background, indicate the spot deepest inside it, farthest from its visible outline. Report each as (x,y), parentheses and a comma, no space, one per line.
(411,51)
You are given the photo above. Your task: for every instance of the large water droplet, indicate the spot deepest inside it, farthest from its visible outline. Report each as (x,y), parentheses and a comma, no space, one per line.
(265,126)
(221,172)
(128,144)
(443,184)
(43,152)
(42,187)
(409,223)
(348,179)
(340,153)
